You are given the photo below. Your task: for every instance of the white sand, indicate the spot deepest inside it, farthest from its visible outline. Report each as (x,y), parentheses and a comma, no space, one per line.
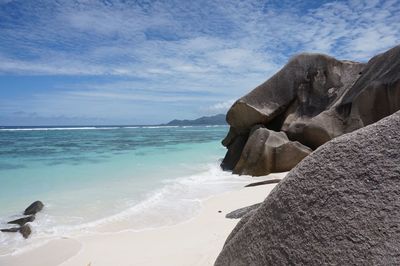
(194,242)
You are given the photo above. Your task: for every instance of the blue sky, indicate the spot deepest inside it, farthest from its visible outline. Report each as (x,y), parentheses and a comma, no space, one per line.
(141,62)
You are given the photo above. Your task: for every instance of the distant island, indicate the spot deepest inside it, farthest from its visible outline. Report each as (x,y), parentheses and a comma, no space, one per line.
(205,120)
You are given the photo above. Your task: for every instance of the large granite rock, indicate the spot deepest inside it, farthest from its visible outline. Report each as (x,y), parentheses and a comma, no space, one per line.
(306,86)
(267,151)
(376,94)
(339,206)
(315,98)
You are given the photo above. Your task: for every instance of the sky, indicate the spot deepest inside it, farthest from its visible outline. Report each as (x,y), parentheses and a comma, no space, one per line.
(110,62)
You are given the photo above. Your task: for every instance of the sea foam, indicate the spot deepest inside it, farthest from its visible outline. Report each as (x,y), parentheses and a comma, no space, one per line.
(108,180)
(177,200)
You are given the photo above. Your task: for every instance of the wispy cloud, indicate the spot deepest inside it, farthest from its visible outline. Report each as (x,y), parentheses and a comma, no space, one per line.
(122,38)
(219,107)
(204,51)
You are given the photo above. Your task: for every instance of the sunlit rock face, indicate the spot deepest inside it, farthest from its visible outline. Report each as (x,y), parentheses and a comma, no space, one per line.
(313,99)
(339,206)
(268,151)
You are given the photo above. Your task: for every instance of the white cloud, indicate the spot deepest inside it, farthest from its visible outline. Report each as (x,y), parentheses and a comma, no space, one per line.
(135,96)
(92,38)
(219,107)
(204,51)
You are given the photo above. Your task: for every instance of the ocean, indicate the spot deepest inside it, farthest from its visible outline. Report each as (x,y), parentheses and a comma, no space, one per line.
(89,178)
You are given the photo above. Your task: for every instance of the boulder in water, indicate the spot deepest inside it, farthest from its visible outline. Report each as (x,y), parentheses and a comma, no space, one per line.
(25,230)
(23,220)
(10,230)
(34,208)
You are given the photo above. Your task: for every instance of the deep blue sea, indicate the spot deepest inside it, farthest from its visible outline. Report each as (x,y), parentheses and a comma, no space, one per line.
(89,177)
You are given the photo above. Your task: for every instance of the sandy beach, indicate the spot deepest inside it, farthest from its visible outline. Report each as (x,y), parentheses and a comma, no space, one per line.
(197,241)
(162,133)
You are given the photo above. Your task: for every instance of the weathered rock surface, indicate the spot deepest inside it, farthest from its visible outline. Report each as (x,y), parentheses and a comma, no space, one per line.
(239,213)
(34,208)
(23,220)
(339,206)
(267,151)
(375,95)
(308,84)
(315,98)
(25,230)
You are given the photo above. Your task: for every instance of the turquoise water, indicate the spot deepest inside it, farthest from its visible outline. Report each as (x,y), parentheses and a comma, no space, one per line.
(145,176)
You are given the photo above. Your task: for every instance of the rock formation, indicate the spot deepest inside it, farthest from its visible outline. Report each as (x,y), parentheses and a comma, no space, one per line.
(313,99)
(267,151)
(10,230)
(339,206)
(34,208)
(23,220)
(24,228)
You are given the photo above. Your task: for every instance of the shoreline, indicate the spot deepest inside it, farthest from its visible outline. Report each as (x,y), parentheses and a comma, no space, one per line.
(178,199)
(195,241)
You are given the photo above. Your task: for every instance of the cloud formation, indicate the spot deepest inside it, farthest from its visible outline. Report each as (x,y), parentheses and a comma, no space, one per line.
(196,52)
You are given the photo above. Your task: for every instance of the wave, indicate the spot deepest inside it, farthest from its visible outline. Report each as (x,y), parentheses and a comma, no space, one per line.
(159,126)
(174,193)
(98,128)
(216,125)
(179,199)
(56,128)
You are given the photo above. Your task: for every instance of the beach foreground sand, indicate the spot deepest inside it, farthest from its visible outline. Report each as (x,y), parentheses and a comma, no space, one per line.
(197,241)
